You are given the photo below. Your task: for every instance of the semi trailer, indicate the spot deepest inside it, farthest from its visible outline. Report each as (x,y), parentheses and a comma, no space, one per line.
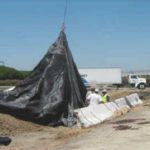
(107,76)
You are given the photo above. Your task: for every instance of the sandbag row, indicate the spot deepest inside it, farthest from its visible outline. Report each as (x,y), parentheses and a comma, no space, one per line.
(96,114)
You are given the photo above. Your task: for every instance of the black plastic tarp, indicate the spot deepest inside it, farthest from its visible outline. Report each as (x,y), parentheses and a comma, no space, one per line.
(51,91)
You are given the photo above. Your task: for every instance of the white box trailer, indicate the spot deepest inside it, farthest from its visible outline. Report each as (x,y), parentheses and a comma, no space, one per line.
(101,75)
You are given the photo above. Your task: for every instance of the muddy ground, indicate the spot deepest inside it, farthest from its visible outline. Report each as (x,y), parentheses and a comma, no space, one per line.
(29,136)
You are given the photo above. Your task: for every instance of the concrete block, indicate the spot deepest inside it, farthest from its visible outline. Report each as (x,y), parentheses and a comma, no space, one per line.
(101,112)
(121,103)
(86,117)
(133,99)
(95,114)
(112,106)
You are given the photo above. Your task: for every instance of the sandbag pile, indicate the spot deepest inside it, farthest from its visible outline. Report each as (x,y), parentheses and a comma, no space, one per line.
(51,92)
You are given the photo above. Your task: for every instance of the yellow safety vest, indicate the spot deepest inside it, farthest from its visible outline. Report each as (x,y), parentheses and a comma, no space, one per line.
(104,97)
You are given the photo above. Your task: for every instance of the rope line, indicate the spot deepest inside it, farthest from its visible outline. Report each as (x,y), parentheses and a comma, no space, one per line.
(65,11)
(65,14)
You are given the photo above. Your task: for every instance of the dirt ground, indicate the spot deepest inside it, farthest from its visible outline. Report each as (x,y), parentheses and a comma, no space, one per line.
(29,136)
(127,132)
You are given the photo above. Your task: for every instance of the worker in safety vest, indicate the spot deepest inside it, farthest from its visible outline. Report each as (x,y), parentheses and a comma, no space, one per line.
(105,96)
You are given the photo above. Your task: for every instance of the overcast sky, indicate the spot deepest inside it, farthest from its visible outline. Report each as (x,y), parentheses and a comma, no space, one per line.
(101,33)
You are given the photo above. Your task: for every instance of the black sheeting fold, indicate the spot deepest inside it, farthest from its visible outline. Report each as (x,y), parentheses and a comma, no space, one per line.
(52,90)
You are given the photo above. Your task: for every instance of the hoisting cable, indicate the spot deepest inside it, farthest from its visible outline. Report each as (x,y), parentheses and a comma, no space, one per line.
(65,13)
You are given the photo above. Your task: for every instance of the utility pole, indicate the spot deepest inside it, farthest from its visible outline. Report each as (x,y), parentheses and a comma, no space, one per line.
(2,63)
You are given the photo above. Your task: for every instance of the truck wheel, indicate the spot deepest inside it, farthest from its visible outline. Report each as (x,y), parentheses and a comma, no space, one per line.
(141,86)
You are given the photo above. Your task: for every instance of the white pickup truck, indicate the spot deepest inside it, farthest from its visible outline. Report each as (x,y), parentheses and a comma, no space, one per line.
(137,81)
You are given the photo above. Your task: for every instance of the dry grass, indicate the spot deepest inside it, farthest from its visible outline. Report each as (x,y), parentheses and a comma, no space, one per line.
(42,148)
(63,136)
(137,108)
(115,94)
(10,126)
(42,137)
(69,133)
(9,82)
(126,110)
(119,93)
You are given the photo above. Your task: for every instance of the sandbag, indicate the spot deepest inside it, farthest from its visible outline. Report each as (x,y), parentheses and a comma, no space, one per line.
(5,141)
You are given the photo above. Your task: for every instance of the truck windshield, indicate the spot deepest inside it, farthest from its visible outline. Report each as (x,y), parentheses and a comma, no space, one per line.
(134,77)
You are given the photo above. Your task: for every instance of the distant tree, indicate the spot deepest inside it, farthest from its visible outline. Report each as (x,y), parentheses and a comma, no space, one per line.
(11,73)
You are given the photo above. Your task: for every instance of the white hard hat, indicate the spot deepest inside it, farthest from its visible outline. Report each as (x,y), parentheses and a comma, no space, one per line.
(96,90)
(104,91)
